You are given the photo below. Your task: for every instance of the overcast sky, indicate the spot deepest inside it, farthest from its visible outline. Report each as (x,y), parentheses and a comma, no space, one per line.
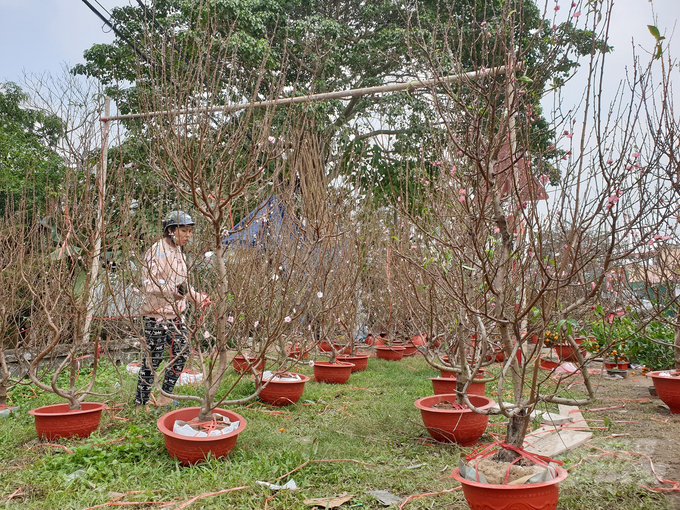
(42,35)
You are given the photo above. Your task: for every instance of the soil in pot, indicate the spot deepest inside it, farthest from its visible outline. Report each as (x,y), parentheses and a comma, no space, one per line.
(58,421)
(360,361)
(485,496)
(394,353)
(667,386)
(283,389)
(447,424)
(190,450)
(332,373)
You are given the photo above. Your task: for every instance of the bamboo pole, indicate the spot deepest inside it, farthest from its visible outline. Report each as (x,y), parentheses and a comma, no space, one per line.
(338,94)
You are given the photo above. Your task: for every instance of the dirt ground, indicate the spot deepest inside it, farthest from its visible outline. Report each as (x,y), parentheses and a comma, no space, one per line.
(646,423)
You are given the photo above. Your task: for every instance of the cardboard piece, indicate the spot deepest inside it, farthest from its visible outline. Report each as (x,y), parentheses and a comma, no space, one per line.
(333,502)
(578,421)
(555,419)
(385,498)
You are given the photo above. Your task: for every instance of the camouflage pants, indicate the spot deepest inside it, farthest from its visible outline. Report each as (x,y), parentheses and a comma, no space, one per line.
(159,334)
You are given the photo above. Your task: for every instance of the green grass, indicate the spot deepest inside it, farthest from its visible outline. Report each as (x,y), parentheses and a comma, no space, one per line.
(371,420)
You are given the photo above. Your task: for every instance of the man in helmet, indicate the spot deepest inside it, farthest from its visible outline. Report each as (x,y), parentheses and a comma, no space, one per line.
(166,290)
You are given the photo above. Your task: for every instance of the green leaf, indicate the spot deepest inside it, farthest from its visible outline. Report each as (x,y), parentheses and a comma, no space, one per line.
(655,32)
(525,79)
(608,423)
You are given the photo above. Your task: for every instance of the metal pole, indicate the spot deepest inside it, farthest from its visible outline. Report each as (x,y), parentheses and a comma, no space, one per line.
(340,94)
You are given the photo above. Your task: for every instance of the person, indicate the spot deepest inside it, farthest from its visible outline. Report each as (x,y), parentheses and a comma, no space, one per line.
(166,289)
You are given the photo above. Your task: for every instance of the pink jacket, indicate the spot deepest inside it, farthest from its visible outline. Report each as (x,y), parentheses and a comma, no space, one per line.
(164,269)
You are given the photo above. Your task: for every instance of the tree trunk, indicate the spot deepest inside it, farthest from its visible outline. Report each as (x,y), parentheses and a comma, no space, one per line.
(515,433)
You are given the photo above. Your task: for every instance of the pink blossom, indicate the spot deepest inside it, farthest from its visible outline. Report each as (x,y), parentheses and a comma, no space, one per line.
(524,204)
(287,319)
(271,139)
(206,334)
(413,247)
(592,285)
(651,242)
(619,192)
(573,4)
(461,199)
(610,161)
(462,191)
(566,247)
(666,238)
(483,23)
(636,154)
(576,14)
(319,295)
(460,153)
(496,230)
(557,8)
(551,147)
(488,34)
(453,170)
(544,179)
(570,135)
(658,236)
(420,150)
(437,163)
(256,324)
(230,319)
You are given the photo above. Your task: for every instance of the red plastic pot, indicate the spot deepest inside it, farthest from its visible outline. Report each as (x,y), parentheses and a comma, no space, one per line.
(485,496)
(394,353)
(410,350)
(548,364)
(609,364)
(461,426)
(332,373)
(567,353)
(668,388)
(369,339)
(447,385)
(190,450)
(419,339)
(579,340)
(622,366)
(324,346)
(243,365)
(298,354)
(283,393)
(58,421)
(360,361)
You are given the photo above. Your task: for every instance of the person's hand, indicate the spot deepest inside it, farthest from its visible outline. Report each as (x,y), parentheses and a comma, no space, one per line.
(205,301)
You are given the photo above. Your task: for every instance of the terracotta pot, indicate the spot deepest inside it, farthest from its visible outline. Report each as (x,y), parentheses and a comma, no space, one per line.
(447,385)
(410,350)
(579,340)
(324,346)
(548,364)
(448,375)
(190,450)
(610,364)
(419,339)
(57,421)
(566,353)
(360,361)
(370,340)
(283,393)
(622,366)
(453,425)
(534,338)
(485,496)
(298,354)
(243,365)
(668,388)
(332,373)
(390,353)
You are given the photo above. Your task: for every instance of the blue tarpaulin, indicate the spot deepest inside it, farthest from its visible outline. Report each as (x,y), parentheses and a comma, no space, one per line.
(258,228)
